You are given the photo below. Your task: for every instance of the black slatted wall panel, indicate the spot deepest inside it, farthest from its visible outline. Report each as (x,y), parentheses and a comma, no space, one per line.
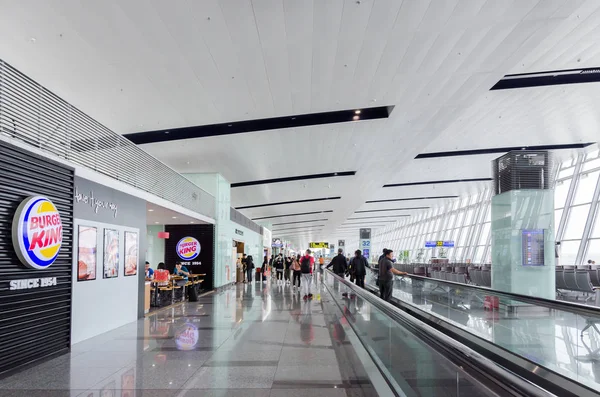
(205,234)
(35,323)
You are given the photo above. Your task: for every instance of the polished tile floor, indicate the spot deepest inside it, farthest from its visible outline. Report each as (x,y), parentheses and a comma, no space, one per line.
(250,340)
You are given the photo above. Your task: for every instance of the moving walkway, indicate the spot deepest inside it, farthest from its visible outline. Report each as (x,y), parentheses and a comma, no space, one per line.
(473,340)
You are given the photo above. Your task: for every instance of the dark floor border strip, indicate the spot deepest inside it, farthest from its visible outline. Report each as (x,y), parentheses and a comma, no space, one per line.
(392,209)
(288,202)
(549,78)
(411,199)
(293,223)
(475,152)
(287,215)
(294,178)
(273,123)
(439,182)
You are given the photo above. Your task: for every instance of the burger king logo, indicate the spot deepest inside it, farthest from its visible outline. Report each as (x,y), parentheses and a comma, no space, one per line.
(37,232)
(188,248)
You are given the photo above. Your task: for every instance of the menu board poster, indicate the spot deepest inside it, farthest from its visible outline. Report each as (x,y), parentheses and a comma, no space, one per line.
(87,246)
(111,253)
(131,253)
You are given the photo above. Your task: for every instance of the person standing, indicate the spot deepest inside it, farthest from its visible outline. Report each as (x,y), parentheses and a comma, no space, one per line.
(339,264)
(358,266)
(264,268)
(297,273)
(321,263)
(249,268)
(243,262)
(279,268)
(307,263)
(288,265)
(386,275)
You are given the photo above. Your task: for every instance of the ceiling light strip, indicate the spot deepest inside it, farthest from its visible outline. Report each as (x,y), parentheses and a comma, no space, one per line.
(288,202)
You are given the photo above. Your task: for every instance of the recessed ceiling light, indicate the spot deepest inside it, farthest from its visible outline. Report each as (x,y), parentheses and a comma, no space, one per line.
(156,222)
(356,118)
(167,132)
(357,111)
(174,217)
(150,210)
(192,222)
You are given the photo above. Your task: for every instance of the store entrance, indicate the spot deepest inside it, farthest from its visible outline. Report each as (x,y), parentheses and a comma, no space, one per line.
(238,252)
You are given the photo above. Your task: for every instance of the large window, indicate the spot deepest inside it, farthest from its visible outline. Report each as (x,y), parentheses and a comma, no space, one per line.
(460,220)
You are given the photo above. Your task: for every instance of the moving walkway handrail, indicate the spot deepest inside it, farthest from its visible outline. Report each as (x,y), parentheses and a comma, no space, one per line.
(572,307)
(478,361)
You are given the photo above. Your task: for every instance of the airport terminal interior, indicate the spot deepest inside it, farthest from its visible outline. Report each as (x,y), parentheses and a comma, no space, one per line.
(263,198)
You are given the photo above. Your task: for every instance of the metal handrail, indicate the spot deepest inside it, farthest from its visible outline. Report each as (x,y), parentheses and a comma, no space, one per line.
(571,307)
(477,359)
(38,118)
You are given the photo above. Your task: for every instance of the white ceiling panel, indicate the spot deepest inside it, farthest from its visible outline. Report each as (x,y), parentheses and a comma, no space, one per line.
(144,65)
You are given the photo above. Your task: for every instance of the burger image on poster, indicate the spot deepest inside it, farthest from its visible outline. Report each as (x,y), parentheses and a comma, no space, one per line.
(37,232)
(188,248)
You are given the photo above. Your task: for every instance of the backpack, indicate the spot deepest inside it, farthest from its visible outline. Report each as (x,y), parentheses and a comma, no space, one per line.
(295,266)
(305,264)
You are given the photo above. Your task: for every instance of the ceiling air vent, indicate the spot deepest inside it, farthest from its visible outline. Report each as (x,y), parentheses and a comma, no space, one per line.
(520,170)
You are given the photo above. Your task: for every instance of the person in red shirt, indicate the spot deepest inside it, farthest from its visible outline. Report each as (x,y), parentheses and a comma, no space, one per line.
(307,264)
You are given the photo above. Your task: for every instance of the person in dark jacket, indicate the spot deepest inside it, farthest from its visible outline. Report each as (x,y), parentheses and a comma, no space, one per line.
(386,275)
(249,268)
(339,264)
(359,265)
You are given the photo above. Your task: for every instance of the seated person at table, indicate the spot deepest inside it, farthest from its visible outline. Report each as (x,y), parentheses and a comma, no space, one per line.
(149,271)
(181,271)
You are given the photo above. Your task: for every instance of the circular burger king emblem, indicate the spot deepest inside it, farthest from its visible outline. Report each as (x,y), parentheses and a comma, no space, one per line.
(188,248)
(37,232)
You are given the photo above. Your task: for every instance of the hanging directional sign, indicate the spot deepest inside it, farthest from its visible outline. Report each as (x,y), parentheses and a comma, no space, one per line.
(437,244)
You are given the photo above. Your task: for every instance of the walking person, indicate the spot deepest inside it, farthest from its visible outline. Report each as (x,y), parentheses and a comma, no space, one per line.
(307,263)
(339,264)
(288,265)
(249,268)
(279,268)
(297,272)
(386,275)
(358,267)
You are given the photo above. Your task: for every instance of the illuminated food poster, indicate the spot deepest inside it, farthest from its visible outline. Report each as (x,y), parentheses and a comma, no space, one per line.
(86,253)
(131,253)
(111,253)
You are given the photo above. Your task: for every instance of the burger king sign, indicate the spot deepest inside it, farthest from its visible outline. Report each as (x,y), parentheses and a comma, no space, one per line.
(188,248)
(37,232)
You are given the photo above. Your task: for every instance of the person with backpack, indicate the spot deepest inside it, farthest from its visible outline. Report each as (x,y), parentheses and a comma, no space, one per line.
(339,264)
(358,266)
(307,263)
(296,269)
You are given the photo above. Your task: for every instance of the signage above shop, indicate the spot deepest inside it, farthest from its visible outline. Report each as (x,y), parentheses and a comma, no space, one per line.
(277,243)
(95,203)
(31,283)
(319,245)
(435,244)
(341,243)
(37,232)
(188,248)
(239,232)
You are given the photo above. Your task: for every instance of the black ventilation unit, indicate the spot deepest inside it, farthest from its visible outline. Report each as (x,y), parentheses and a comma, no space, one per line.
(519,170)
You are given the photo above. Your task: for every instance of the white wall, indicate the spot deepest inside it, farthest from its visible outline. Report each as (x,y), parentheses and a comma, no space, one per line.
(102,305)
